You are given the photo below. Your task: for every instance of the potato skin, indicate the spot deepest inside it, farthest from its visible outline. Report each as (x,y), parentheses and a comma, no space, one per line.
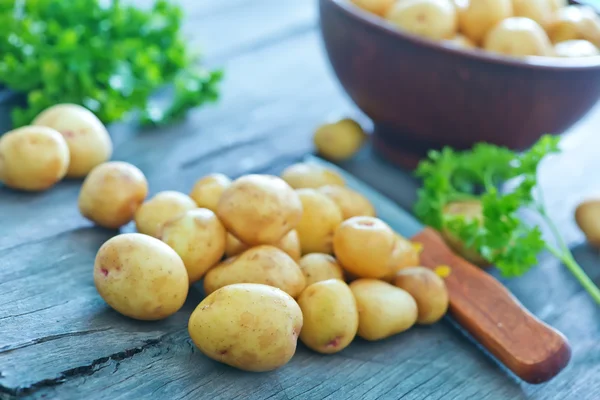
(339,140)
(479,16)
(248,326)
(199,238)
(518,36)
(259,209)
(378,7)
(383,309)
(140,277)
(164,206)
(575,48)
(538,10)
(433,19)
(404,255)
(320,218)
(350,202)
(428,290)
(587,216)
(290,243)
(208,190)
(111,194)
(263,264)
(318,267)
(33,158)
(330,316)
(310,175)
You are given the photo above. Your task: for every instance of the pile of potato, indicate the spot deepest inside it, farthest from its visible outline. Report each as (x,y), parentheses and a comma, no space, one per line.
(516,28)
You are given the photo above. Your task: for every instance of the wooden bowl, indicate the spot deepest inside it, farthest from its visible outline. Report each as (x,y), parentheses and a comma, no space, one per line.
(423,95)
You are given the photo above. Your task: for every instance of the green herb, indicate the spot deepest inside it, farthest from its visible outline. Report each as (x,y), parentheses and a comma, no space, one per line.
(108,57)
(499,234)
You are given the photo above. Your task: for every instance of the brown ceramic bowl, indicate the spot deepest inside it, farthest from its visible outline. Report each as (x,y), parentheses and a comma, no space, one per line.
(424,95)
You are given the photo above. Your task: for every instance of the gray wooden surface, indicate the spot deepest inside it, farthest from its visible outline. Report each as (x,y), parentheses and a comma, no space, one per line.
(59,340)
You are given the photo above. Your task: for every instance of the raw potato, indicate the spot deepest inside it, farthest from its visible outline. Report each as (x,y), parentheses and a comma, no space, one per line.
(33,158)
(140,277)
(310,175)
(518,36)
(262,264)
(575,22)
(470,210)
(587,216)
(378,7)
(350,202)
(340,140)
(259,209)
(461,41)
(87,138)
(556,5)
(208,190)
(318,267)
(111,194)
(330,316)
(428,290)
(404,255)
(199,238)
(163,207)
(541,11)
(575,48)
(480,16)
(247,326)
(290,243)
(320,219)
(383,309)
(433,19)
(590,25)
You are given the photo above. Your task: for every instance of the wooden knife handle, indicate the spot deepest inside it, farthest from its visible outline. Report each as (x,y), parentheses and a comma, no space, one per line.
(531,349)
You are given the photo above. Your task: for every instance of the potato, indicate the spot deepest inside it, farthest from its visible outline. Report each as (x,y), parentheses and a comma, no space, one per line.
(573,23)
(378,7)
(208,190)
(248,326)
(261,264)
(33,158)
(340,140)
(364,246)
(318,267)
(140,277)
(290,243)
(575,48)
(556,5)
(259,209)
(350,202)
(199,238)
(320,218)
(541,11)
(428,290)
(87,138)
(164,206)
(461,41)
(111,194)
(479,16)
(383,309)
(590,25)
(404,255)
(470,210)
(330,316)
(518,36)
(433,19)
(587,216)
(310,175)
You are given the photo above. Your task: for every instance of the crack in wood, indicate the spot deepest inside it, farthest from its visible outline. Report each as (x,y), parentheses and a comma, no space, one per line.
(9,348)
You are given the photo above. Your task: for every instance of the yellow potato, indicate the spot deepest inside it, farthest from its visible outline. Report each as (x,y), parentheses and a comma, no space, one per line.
(587,216)
(428,290)
(404,255)
(140,277)
(163,207)
(364,246)
(33,158)
(87,138)
(575,48)
(479,16)
(208,190)
(259,209)
(461,41)
(470,210)
(248,326)
(433,19)
(310,175)
(199,238)
(350,202)
(111,194)
(590,25)
(378,7)
(340,140)
(318,267)
(573,23)
(541,11)
(290,243)
(320,218)
(383,309)
(330,316)
(261,264)
(556,5)
(518,36)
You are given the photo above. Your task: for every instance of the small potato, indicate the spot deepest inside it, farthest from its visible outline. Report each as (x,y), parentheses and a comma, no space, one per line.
(383,309)
(433,19)
(208,190)
(248,326)
(140,277)
(330,316)
(378,7)
(573,23)
(87,138)
(262,264)
(164,206)
(340,140)
(590,25)
(111,194)
(541,11)
(290,243)
(310,175)
(461,41)
(428,290)
(556,5)
(587,216)
(33,158)
(470,210)
(350,202)
(259,209)
(518,36)
(404,255)
(318,267)
(320,219)
(479,16)
(199,238)
(575,48)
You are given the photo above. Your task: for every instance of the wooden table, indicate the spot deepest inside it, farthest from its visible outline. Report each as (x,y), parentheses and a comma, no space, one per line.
(58,339)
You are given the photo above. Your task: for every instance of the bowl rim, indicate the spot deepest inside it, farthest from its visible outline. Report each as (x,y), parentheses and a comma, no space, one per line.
(531,62)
